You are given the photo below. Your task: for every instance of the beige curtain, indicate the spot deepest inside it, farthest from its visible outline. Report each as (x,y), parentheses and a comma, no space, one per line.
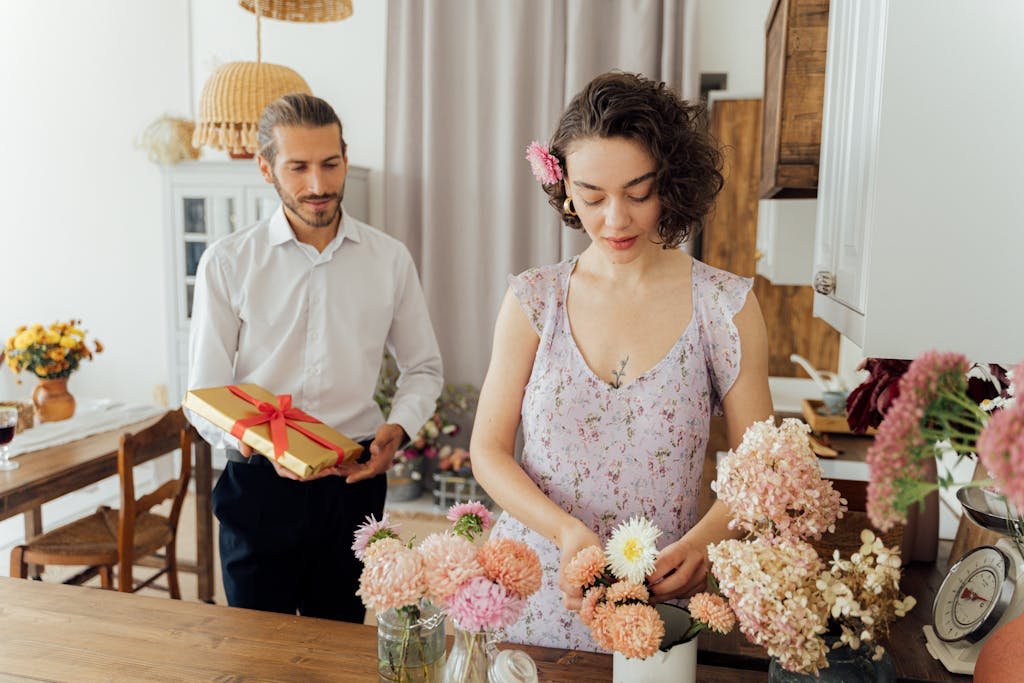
(469,85)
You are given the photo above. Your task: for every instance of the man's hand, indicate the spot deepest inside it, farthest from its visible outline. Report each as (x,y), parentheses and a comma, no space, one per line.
(382,453)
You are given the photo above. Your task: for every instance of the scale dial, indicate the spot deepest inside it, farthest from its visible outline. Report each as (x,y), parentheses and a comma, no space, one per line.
(973,595)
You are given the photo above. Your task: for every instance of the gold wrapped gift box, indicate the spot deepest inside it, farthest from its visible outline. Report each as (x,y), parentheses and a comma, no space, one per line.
(303,456)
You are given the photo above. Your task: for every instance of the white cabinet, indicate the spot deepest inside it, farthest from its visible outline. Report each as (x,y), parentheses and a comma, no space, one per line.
(922,163)
(204,201)
(785,240)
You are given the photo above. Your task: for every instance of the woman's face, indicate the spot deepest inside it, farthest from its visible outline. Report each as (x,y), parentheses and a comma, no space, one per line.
(612,185)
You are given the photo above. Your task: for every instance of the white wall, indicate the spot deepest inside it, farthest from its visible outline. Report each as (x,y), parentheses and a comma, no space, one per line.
(81,227)
(82,224)
(730,35)
(343,62)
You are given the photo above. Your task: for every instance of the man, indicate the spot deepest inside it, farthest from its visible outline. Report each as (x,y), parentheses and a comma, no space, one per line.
(304,303)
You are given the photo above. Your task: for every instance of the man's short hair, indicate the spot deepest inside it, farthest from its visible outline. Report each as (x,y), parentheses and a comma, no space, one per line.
(295,109)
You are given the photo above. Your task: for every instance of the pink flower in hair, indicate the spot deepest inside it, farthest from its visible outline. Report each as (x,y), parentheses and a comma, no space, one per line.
(543,163)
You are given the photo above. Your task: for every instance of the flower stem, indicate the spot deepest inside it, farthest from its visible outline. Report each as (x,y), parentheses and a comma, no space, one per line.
(471,637)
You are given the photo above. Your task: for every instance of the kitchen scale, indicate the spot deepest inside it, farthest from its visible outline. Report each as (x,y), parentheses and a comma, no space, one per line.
(981,592)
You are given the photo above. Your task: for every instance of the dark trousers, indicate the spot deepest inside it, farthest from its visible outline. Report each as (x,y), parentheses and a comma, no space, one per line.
(286,546)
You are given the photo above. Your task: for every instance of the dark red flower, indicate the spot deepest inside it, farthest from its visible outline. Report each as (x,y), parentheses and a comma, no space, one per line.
(867,404)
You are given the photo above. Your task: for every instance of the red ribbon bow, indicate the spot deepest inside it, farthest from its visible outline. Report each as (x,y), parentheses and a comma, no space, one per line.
(281,417)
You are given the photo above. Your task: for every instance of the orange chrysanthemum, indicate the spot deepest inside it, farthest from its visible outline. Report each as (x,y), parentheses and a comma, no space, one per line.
(624,591)
(511,563)
(636,630)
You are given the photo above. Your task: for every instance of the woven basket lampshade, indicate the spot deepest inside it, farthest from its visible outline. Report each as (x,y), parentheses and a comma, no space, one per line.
(233,100)
(306,11)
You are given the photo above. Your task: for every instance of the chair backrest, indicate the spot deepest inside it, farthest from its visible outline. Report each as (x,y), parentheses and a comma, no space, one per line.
(169,433)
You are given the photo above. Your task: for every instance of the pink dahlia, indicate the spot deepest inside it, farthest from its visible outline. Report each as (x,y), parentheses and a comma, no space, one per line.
(636,630)
(393,577)
(480,605)
(511,563)
(373,530)
(448,561)
(714,611)
(586,567)
(543,163)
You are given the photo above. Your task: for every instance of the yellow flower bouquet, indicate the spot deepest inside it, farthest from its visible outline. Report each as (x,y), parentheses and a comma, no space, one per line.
(49,352)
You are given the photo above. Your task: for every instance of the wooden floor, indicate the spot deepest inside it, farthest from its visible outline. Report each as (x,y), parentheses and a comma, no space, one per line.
(413,525)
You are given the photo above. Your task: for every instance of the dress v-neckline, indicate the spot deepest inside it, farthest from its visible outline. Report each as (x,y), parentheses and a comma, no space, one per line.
(567,276)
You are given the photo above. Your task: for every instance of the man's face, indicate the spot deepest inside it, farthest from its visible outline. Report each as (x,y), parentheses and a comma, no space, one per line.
(308,174)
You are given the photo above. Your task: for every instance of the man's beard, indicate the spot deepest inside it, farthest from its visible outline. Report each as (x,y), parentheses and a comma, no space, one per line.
(312,218)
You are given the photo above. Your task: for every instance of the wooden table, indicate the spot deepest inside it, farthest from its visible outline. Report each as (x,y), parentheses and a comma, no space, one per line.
(56,633)
(49,473)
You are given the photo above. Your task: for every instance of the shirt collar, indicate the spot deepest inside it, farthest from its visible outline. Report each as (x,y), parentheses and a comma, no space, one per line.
(281,230)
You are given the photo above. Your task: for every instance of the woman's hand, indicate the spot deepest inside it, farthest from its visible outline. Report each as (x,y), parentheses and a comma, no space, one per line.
(679,572)
(574,538)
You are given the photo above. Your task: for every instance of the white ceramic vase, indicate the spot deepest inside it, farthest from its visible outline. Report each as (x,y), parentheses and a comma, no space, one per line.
(677,665)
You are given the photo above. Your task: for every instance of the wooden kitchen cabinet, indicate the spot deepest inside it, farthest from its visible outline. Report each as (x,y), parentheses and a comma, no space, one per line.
(919,219)
(796,37)
(729,242)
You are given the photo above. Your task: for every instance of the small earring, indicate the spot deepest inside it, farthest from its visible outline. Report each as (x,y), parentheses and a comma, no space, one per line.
(568,208)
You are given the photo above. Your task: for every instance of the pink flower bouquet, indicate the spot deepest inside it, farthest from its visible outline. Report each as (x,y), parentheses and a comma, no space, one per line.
(482,588)
(783,596)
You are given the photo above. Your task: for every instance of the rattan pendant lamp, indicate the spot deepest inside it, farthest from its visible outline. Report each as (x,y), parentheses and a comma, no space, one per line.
(306,11)
(234,97)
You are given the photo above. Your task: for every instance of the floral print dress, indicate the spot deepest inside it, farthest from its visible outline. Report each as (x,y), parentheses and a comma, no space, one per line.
(605,454)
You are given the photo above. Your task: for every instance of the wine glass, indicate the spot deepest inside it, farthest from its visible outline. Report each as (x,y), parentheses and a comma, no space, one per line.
(8,423)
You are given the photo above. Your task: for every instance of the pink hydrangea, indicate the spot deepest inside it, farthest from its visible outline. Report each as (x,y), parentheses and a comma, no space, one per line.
(511,563)
(543,163)
(373,530)
(480,604)
(586,567)
(636,630)
(771,587)
(449,561)
(393,577)
(714,611)
(1001,449)
(772,483)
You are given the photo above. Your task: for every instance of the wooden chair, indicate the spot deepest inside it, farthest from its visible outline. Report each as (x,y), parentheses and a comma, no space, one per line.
(128,536)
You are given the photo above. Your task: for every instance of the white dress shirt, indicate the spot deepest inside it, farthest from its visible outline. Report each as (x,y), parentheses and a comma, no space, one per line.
(273,311)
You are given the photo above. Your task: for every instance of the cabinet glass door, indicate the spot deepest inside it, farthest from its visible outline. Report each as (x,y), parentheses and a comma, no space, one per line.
(201,217)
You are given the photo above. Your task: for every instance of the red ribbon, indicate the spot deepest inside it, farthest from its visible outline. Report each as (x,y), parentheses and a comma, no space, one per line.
(281,417)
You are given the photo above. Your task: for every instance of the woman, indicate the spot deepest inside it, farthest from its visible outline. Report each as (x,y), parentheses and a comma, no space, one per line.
(615,360)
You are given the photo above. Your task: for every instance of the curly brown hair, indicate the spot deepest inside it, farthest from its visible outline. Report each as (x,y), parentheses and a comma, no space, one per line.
(687,161)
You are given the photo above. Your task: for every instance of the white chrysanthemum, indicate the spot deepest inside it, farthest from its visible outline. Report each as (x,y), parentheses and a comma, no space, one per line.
(631,551)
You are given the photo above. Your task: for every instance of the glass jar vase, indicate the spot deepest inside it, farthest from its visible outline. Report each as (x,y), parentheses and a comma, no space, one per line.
(411,644)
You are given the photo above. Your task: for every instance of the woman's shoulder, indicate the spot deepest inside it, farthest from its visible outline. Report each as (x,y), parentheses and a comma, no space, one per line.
(539,289)
(719,292)
(719,279)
